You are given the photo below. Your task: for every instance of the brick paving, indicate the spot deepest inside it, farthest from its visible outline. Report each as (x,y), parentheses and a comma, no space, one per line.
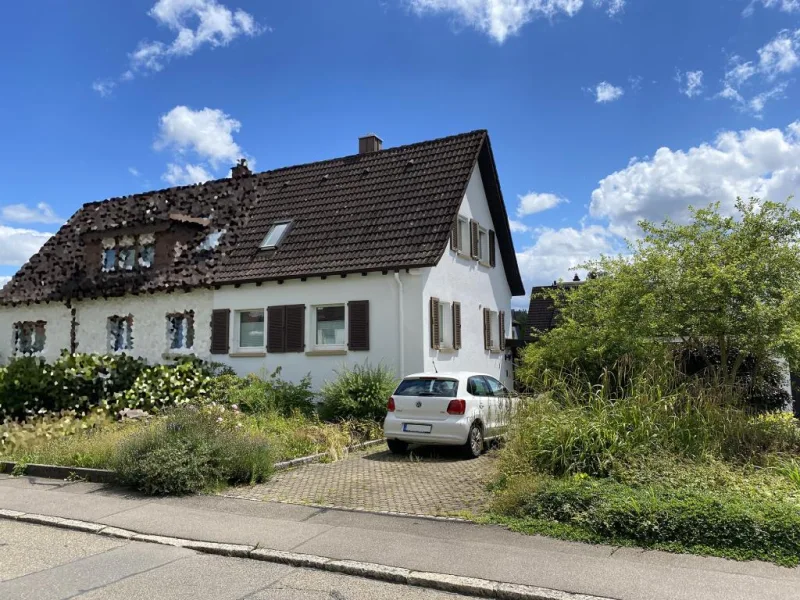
(430,481)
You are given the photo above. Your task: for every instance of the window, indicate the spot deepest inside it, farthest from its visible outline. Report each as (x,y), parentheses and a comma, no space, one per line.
(494,328)
(109,259)
(147,254)
(483,245)
(29,337)
(445,325)
(496,389)
(180,331)
(128,252)
(127,258)
(477,386)
(120,333)
(250,328)
(425,386)
(275,234)
(329,326)
(460,234)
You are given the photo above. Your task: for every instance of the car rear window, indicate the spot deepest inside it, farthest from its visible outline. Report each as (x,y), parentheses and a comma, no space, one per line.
(428,386)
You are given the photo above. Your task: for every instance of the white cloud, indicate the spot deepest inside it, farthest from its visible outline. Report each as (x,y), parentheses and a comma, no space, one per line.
(779,56)
(758,102)
(207,132)
(605,92)
(21,213)
(532,203)
(186,174)
(739,72)
(133,171)
(557,251)
(18,245)
(500,19)
(4,279)
(784,5)
(694,83)
(104,87)
(518,226)
(753,162)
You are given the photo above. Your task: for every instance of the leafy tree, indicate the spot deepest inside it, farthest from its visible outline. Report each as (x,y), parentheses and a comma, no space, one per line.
(731,283)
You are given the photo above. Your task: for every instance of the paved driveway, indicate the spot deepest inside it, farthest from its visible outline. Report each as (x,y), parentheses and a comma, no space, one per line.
(430,481)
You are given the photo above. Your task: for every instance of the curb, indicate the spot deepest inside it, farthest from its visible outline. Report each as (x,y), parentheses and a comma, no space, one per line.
(470,586)
(312,458)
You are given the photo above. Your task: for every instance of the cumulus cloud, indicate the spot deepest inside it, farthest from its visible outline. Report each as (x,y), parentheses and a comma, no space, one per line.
(207,132)
(518,226)
(784,5)
(605,92)
(532,203)
(779,56)
(195,24)
(4,279)
(753,162)
(186,174)
(500,19)
(18,245)
(690,83)
(21,213)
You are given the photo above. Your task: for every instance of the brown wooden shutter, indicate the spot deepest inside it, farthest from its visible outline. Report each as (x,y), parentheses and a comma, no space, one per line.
(358,325)
(435,337)
(487,329)
(454,236)
(220,323)
(456,325)
(295,327)
(473,239)
(276,329)
(501,318)
(491,248)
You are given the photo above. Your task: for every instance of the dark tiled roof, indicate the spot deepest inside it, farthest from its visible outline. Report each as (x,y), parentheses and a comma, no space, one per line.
(385,210)
(542,314)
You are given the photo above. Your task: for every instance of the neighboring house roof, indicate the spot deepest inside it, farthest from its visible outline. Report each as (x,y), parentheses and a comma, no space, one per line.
(542,314)
(378,211)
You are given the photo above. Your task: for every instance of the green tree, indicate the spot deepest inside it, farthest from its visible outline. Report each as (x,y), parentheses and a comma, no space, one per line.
(731,282)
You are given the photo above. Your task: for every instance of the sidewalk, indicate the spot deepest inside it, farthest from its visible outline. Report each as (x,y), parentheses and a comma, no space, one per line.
(419,544)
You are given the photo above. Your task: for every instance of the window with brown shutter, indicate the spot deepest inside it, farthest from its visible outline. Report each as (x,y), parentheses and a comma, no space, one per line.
(435,337)
(358,325)
(456,325)
(276,329)
(501,319)
(474,248)
(220,338)
(295,327)
(491,248)
(487,329)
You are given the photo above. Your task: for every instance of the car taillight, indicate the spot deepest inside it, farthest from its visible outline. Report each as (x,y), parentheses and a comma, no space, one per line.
(390,405)
(457,407)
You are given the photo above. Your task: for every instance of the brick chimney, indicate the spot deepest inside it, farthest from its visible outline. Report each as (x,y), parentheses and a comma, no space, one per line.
(241,169)
(369,143)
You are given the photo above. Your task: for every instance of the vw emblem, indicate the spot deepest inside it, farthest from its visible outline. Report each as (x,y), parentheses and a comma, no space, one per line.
(419,404)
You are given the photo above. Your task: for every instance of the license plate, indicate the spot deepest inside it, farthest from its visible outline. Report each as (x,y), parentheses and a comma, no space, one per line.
(412,428)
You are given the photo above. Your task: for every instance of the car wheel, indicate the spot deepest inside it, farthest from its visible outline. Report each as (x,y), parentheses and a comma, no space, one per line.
(474,445)
(397,446)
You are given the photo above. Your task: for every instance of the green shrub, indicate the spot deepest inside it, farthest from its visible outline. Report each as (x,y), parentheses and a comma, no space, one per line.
(253,394)
(192,450)
(164,386)
(659,516)
(359,392)
(24,388)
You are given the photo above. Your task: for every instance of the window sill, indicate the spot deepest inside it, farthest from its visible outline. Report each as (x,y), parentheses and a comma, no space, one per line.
(175,354)
(447,350)
(248,354)
(331,352)
(485,264)
(495,350)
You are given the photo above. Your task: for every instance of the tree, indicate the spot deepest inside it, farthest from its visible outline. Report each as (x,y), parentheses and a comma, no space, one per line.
(729,282)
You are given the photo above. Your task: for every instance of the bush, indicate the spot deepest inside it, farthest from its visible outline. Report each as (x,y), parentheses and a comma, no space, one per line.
(190,451)
(255,395)
(163,386)
(359,392)
(711,522)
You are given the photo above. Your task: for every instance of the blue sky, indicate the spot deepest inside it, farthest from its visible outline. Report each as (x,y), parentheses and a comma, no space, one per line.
(600,112)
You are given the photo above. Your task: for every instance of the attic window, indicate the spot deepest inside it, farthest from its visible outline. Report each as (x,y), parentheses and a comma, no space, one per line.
(275,234)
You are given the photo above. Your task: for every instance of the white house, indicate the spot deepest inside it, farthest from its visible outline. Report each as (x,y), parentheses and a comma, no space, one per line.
(401,256)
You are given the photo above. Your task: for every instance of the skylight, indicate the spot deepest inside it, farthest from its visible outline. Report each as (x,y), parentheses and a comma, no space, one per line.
(275,234)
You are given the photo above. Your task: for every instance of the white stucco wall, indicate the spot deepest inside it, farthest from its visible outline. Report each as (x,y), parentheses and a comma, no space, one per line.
(476,287)
(57,330)
(149,313)
(382,293)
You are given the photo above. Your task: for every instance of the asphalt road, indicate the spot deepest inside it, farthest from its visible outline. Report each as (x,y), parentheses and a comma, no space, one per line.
(45,563)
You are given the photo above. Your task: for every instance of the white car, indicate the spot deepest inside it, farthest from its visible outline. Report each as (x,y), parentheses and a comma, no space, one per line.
(455,409)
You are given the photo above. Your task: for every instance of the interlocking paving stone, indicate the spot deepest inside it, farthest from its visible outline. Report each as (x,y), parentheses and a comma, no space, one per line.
(429,481)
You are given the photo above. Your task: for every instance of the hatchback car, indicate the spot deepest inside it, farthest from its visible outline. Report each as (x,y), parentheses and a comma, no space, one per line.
(455,409)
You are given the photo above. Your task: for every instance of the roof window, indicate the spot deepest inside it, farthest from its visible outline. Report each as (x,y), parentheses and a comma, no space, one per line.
(276,233)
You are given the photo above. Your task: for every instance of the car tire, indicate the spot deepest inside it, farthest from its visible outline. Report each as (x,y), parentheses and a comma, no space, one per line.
(474,445)
(397,446)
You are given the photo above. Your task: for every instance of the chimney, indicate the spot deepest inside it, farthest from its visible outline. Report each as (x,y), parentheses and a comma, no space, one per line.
(369,143)
(241,169)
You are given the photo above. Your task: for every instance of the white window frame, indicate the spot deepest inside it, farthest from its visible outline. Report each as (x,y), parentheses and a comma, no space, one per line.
(277,241)
(463,234)
(312,329)
(446,341)
(237,323)
(17,333)
(127,327)
(494,330)
(483,248)
(185,326)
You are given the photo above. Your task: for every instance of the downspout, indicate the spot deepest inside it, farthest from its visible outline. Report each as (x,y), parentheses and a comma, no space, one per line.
(401,324)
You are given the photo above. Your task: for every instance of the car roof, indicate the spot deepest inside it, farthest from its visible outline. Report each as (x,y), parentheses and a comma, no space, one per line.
(449,374)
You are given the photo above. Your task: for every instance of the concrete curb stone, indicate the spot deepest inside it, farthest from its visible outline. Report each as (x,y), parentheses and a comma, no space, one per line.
(454,583)
(371,570)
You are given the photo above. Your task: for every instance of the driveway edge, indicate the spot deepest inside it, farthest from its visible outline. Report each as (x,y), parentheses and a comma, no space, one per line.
(470,586)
